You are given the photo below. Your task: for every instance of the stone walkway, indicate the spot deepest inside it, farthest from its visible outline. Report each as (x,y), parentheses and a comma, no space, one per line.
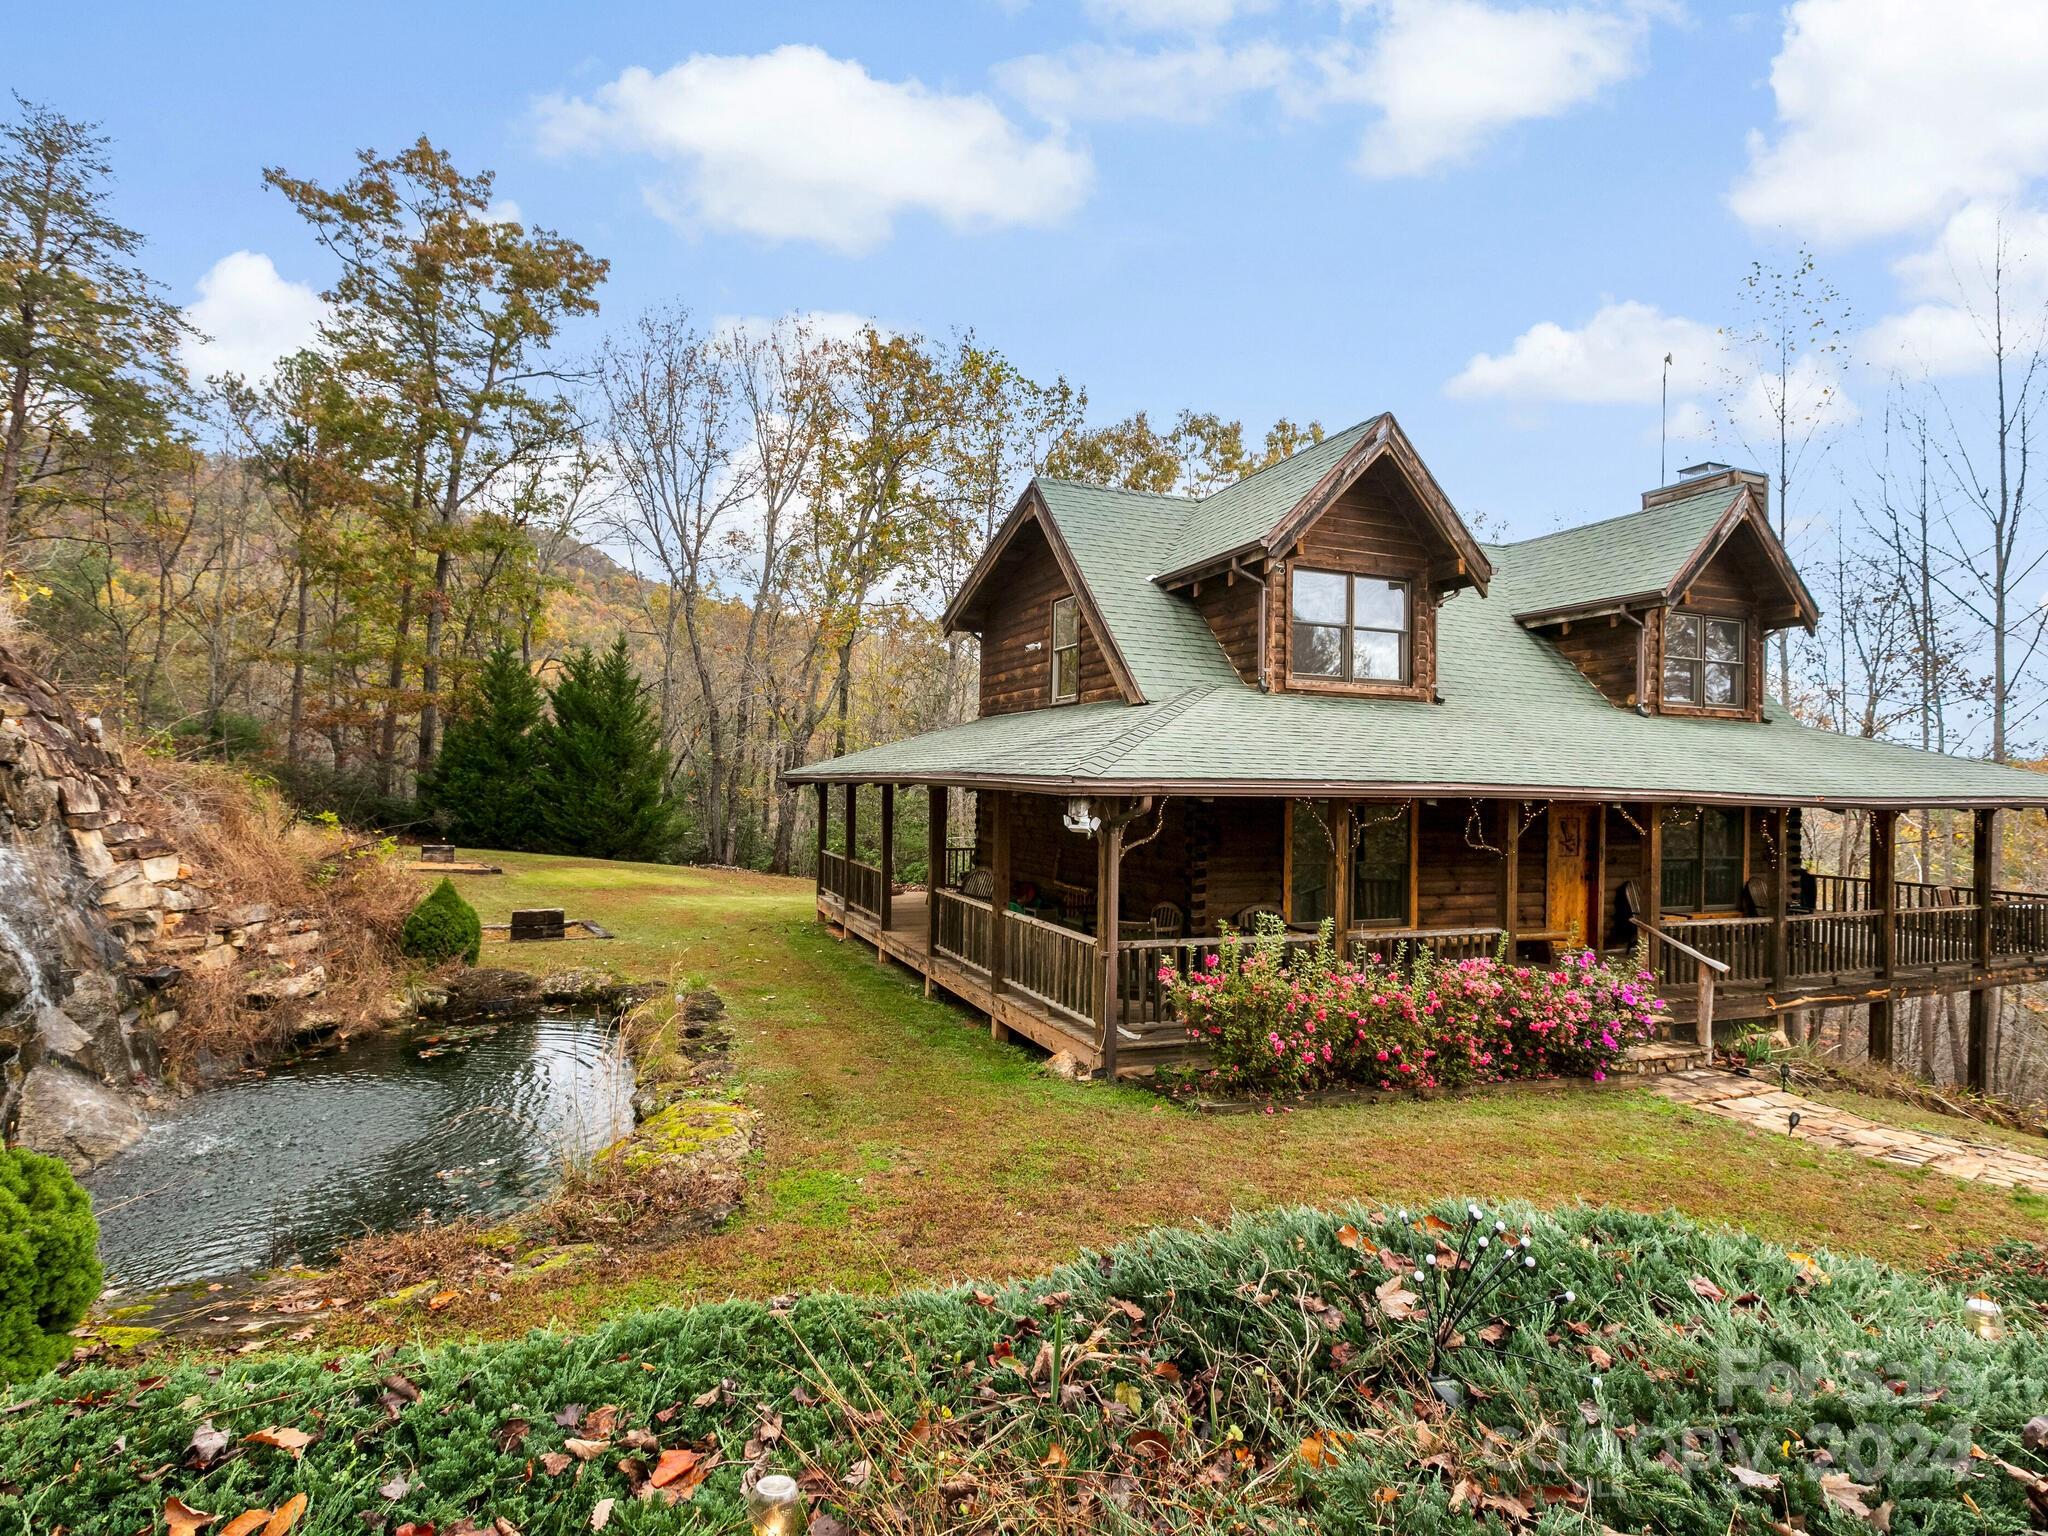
(1757,1104)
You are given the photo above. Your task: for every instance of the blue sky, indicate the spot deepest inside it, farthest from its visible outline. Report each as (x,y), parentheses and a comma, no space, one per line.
(1493,219)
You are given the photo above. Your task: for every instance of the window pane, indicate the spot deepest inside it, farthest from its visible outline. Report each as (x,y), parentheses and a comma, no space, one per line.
(1377,654)
(1066,672)
(1679,687)
(1723,882)
(1724,833)
(1379,865)
(1724,683)
(1314,856)
(1066,622)
(1681,836)
(1318,650)
(1724,640)
(1682,635)
(1318,597)
(1378,604)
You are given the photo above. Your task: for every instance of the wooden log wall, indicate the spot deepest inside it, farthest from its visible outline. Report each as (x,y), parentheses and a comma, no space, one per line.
(1013,675)
(1045,854)
(1604,649)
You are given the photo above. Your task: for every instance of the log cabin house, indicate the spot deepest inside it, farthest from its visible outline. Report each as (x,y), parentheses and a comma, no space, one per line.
(1315,693)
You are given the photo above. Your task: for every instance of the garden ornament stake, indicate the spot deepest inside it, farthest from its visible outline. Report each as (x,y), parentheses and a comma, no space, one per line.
(775,1506)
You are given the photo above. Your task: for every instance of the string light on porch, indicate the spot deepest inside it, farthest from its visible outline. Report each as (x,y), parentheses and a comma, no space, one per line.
(1641,830)
(1158,826)
(1531,809)
(1363,817)
(1475,832)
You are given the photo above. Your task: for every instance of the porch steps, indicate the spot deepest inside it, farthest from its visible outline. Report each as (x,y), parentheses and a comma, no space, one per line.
(1655,1058)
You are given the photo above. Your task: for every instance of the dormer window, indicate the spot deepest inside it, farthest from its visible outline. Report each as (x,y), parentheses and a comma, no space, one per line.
(1350,629)
(1066,650)
(1706,662)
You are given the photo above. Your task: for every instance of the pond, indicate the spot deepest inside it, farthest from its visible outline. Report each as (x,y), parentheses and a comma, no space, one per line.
(371,1137)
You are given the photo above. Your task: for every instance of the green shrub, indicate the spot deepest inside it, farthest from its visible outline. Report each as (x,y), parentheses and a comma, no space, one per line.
(443,927)
(49,1263)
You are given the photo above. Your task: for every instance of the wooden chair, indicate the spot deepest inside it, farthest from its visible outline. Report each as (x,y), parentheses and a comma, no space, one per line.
(1628,906)
(1247,918)
(979,883)
(1756,896)
(1168,921)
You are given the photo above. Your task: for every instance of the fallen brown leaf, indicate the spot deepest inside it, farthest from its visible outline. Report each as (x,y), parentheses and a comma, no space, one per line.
(182,1518)
(286,1515)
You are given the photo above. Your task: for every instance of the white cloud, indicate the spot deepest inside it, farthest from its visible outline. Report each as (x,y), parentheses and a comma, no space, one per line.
(1185,84)
(1171,15)
(1894,113)
(249,316)
(820,324)
(1615,358)
(1950,330)
(503,210)
(797,145)
(1446,75)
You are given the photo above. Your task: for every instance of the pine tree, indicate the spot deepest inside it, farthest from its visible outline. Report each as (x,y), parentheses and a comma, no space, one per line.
(485,787)
(604,772)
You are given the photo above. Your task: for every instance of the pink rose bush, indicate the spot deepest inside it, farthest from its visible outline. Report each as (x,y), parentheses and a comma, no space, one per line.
(1287,1018)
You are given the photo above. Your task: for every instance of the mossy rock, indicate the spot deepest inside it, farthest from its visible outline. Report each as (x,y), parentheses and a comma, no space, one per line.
(688,1128)
(120,1335)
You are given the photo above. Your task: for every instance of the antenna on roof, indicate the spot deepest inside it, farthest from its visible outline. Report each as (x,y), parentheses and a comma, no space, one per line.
(1664,423)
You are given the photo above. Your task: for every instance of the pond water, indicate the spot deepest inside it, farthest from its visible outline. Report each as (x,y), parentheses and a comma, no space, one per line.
(367,1138)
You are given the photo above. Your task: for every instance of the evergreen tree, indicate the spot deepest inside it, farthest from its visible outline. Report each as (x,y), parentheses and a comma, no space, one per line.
(485,787)
(604,772)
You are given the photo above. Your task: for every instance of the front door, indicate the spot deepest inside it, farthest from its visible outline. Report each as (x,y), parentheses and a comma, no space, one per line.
(1567,907)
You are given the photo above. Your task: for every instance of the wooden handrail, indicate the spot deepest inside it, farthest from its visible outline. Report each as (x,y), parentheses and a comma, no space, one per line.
(1709,967)
(1719,966)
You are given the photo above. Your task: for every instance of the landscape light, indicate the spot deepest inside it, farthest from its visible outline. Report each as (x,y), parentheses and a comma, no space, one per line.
(1984,1316)
(775,1506)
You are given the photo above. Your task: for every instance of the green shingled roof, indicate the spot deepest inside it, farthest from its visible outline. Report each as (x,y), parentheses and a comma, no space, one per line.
(1244,513)
(1619,557)
(1116,539)
(1514,716)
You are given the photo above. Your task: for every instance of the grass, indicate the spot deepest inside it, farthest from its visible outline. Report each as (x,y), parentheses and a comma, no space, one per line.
(902,1146)
(1644,1374)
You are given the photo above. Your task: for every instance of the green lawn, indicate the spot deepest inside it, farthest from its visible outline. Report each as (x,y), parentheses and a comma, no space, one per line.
(902,1145)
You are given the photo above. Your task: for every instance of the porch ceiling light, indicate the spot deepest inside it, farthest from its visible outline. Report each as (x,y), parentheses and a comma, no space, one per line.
(1081,816)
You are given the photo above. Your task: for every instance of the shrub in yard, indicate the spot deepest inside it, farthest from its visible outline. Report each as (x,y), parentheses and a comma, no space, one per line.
(443,927)
(49,1264)
(1288,1018)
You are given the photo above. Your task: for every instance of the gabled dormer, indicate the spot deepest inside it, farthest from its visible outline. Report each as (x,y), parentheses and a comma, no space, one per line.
(1666,610)
(1322,573)
(1043,639)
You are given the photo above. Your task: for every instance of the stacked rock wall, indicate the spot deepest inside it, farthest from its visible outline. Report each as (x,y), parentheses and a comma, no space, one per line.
(100,919)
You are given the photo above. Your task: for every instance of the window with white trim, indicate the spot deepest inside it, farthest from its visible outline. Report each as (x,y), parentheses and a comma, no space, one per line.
(1066,650)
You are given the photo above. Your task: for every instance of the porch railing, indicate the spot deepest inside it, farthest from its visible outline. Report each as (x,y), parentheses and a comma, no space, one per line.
(961,932)
(1670,955)
(1855,893)
(1834,943)
(1742,944)
(1050,963)
(863,887)
(832,874)
(959,861)
(2019,923)
(1448,945)
(1936,936)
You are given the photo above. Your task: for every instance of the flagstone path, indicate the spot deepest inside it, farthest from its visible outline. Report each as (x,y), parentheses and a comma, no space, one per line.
(1757,1104)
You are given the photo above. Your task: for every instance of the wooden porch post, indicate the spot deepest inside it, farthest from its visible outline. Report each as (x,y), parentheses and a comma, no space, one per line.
(824,818)
(1884,886)
(888,863)
(1511,875)
(935,874)
(1109,858)
(1340,906)
(998,898)
(1781,900)
(1653,864)
(1596,925)
(1983,879)
(852,816)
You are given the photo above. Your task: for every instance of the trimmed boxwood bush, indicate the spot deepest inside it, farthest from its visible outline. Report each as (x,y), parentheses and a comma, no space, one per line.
(443,927)
(49,1261)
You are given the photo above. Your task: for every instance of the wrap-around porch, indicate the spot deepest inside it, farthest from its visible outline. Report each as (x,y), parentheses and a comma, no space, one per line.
(1005,912)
